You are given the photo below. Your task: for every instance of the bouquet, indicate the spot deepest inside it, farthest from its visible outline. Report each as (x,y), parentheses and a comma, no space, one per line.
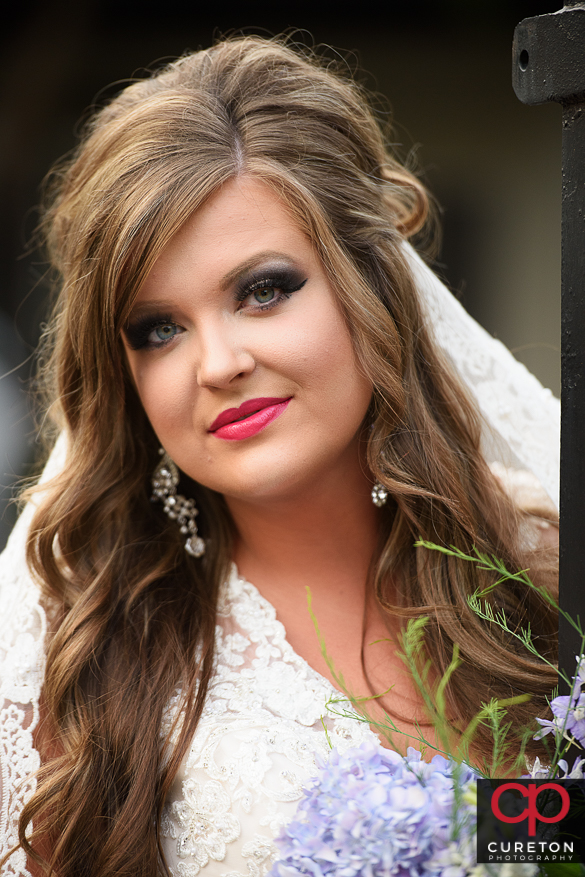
(372,812)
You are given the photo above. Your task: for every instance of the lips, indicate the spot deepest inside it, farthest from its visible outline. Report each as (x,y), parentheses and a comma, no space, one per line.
(250,418)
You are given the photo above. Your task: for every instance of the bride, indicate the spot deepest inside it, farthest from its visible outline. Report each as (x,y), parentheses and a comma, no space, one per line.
(255,380)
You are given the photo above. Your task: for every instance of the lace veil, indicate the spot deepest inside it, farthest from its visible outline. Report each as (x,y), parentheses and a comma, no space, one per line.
(522,422)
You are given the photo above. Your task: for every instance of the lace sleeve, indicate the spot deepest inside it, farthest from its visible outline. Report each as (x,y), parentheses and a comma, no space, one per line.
(22,635)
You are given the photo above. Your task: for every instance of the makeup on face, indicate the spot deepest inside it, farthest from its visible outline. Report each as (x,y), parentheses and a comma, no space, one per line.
(257,289)
(241,356)
(235,424)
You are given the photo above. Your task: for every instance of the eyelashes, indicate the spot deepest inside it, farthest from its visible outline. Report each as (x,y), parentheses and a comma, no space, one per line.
(281,281)
(138,333)
(265,291)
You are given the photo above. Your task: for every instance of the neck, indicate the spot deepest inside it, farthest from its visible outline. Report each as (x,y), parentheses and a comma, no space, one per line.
(323,536)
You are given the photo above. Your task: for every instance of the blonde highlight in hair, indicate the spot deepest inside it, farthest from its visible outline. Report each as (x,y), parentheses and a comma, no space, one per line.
(135,615)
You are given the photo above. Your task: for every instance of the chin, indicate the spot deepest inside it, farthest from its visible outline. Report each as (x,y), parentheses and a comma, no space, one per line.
(267,488)
(276,475)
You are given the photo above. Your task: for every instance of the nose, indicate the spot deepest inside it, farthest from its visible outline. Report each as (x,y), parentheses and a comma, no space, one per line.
(222,357)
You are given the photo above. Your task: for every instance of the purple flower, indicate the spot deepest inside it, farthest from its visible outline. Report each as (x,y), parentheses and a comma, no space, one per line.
(373,813)
(576,772)
(555,727)
(580,669)
(568,711)
(540,771)
(571,712)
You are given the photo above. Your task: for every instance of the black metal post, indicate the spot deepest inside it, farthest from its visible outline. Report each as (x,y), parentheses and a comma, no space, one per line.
(548,64)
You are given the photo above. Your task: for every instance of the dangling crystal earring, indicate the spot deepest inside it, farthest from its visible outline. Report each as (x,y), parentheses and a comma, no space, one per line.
(164,488)
(379,494)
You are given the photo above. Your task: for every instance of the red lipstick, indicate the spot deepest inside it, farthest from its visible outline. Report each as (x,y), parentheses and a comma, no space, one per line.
(251,417)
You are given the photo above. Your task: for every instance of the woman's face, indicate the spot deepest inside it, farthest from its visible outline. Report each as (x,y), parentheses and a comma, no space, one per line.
(241,356)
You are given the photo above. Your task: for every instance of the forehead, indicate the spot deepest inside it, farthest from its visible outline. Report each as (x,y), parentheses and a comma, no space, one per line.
(241,225)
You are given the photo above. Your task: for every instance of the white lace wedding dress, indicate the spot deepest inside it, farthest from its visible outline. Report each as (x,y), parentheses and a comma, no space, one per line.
(265,720)
(255,747)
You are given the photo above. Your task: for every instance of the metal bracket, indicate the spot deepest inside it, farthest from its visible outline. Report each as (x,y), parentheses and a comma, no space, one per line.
(549,57)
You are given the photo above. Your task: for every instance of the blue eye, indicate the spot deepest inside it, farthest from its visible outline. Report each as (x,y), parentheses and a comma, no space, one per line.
(151,332)
(163,333)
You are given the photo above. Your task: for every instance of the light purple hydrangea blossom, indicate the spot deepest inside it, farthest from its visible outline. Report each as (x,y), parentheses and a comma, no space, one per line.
(374,813)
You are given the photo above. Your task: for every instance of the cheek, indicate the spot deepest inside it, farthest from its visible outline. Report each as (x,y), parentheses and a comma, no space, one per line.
(162,387)
(323,360)
(328,348)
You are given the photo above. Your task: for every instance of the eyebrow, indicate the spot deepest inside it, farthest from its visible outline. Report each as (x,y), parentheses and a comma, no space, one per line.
(240,270)
(225,282)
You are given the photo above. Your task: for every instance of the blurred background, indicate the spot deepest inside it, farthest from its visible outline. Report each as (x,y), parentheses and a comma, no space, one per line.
(444,67)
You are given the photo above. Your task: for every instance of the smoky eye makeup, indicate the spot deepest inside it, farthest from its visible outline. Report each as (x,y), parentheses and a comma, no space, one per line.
(265,287)
(138,332)
(279,281)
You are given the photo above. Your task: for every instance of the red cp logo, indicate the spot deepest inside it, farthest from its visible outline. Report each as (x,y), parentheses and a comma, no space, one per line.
(531,812)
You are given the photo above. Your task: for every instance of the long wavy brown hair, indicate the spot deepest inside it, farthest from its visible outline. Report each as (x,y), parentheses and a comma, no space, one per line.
(133,614)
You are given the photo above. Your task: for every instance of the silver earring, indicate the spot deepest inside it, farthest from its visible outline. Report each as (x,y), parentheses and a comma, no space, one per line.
(164,488)
(379,494)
